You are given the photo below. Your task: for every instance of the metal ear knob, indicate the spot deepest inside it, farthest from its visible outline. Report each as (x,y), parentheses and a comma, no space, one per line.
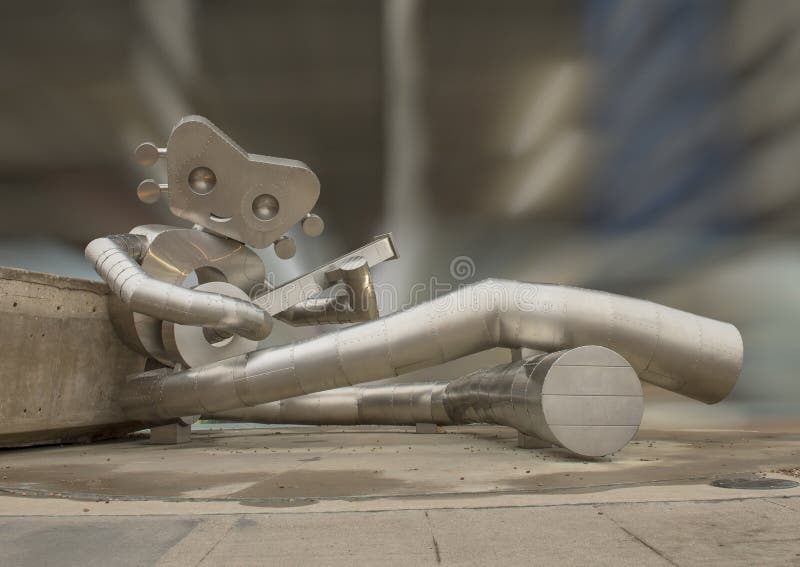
(148,153)
(149,191)
(313,225)
(285,248)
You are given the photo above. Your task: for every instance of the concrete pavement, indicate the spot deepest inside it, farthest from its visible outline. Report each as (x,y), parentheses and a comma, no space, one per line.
(370,496)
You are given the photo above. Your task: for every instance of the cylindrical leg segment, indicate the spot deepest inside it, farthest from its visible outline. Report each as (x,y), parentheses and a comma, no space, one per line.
(587,400)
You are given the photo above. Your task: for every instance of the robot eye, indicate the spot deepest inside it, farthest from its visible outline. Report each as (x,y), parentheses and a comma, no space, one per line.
(202,180)
(265,207)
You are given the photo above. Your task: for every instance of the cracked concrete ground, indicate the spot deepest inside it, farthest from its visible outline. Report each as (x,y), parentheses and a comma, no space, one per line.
(385,496)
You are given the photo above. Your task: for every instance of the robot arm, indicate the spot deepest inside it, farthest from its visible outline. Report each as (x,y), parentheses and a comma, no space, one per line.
(116,259)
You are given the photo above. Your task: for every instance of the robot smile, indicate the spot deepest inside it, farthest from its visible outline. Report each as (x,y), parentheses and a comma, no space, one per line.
(217,218)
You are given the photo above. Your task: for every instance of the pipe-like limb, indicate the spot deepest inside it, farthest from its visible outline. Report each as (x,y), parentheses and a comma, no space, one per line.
(391,404)
(115,258)
(587,400)
(691,355)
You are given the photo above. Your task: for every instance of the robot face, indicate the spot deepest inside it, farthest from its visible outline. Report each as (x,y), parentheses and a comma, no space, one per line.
(216,184)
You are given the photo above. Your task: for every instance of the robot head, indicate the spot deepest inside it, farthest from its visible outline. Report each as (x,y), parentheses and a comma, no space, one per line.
(214,183)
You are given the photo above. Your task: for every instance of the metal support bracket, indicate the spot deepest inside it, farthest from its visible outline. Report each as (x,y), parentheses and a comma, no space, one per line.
(171,434)
(427,428)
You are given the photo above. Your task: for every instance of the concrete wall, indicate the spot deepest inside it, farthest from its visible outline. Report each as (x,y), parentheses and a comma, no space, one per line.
(60,361)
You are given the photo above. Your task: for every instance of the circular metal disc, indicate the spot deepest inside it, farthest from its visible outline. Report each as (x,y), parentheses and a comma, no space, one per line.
(146,154)
(285,248)
(313,225)
(190,343)
(173,254)
(592,401)
(148,191)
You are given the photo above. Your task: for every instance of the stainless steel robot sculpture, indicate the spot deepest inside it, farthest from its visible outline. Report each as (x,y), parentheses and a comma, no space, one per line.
(583,393)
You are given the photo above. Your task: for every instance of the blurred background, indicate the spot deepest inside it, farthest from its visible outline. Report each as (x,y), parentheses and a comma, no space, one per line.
(648,148)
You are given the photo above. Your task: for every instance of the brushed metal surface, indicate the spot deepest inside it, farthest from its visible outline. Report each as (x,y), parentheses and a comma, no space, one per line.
(191,346)
(173,254)
(354,299)
(660,343)
(250,198)
(597,415)
(115,259)
(300,289)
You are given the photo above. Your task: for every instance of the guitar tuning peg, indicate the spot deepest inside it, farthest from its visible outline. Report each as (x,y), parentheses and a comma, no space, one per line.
(149,191)
(147,153)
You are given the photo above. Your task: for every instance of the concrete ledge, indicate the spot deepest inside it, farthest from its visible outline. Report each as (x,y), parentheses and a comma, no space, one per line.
(62,363)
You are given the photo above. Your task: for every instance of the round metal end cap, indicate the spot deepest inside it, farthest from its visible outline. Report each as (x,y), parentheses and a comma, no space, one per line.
(146,154)
(313,225)
(285,248)
(148,191)
(592,401)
